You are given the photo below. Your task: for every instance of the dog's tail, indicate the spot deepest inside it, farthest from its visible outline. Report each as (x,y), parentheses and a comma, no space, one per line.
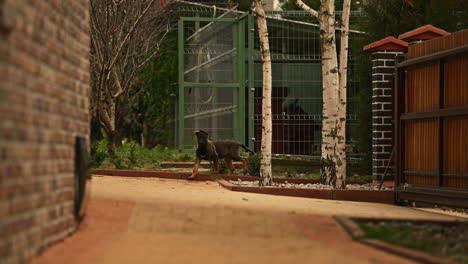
(246,148)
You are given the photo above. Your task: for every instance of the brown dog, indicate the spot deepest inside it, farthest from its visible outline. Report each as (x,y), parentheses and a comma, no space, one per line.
(214,151)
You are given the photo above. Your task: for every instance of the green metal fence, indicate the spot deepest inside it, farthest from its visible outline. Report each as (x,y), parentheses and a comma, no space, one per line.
(211,78)
(220,79)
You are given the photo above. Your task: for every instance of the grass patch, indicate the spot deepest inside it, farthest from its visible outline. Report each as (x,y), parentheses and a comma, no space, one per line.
(447,241)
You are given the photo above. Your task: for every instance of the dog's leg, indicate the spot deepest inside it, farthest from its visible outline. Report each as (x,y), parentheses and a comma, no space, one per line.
(216,166)
(230,166)
(244,166)
(195,168)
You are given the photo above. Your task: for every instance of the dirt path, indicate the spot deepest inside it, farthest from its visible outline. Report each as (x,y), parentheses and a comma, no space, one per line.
(174,221)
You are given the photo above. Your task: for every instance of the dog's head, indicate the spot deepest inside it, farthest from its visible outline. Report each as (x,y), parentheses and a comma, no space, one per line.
(202,137)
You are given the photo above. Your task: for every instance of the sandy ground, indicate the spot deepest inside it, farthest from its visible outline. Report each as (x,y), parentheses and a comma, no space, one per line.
(147,220)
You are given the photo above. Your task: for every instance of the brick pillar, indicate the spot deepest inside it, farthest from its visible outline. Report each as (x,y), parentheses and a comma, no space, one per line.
(384,53)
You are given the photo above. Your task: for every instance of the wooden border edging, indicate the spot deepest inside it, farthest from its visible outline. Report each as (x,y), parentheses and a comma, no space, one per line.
(329,194)
(349,226)
(406,252)
(178,164)
(170,175)
(200,177)
(356,234)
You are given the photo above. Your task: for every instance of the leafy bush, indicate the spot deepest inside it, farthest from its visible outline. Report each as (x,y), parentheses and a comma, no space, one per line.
(130,155)
(253,164)
(98,153)
(185,157)
(119,162)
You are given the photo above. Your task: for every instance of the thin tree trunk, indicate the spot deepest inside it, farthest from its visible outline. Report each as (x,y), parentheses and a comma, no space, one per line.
(112,133)
(341,132)
(111,143)
(144,134)
(329,159)
(333,160)
(265,168)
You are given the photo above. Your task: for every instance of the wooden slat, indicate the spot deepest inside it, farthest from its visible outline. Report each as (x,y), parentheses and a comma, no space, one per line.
(422,180)
(456,82)
(422,88)
(455,182)
(456,151)
(451,41)
(421,151)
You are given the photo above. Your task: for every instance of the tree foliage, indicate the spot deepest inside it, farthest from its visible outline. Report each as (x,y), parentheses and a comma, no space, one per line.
(156,104)
(125,35)
(394,17)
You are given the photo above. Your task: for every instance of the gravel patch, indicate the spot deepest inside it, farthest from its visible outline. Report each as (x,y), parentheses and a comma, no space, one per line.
(286,184)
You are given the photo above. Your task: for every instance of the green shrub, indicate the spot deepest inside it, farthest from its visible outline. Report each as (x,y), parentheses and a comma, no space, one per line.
(130,155)
(119,162)
(98,153)
(253,164)
(185,157)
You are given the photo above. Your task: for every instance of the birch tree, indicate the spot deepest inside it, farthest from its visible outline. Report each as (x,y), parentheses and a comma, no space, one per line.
(333,159)
(265,168)
(125,35)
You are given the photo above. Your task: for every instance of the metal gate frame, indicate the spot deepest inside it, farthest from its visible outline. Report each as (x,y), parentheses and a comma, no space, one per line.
(245,119)
(241,85)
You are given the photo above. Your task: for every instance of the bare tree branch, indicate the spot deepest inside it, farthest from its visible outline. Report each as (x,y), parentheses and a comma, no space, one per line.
(125,36)
(307,8)
(129,33)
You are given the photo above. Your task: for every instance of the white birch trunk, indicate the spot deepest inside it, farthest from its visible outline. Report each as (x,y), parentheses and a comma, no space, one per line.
(333,160)
(265,168)
(341,170)
(329,161)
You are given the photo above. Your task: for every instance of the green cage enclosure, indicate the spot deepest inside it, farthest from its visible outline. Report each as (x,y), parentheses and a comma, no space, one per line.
(220,79)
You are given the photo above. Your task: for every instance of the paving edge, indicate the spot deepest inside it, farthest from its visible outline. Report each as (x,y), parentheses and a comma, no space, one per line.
(356,233)
(200,176)
(169,175)
(345,195)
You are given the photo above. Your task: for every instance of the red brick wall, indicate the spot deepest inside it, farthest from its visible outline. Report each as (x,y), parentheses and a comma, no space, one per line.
(44,90)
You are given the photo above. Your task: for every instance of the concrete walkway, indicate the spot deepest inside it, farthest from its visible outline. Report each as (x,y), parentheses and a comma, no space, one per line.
(174,221)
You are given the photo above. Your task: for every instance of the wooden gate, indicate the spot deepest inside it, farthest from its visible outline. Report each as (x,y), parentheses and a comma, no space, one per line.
(431,122)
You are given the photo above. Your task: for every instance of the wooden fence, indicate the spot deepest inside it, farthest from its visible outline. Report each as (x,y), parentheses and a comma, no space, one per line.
(431,122)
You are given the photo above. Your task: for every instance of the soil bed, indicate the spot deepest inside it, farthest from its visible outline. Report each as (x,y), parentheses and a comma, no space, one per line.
(447,240)
(287,184)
